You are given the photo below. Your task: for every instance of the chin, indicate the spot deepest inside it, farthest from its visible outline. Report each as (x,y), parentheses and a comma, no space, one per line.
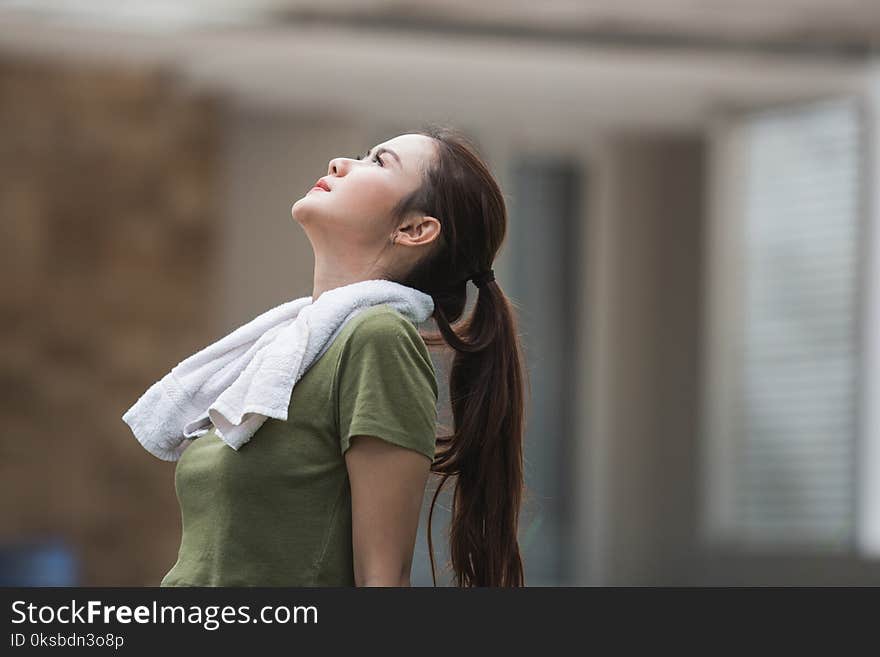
(297,211)
(304,212)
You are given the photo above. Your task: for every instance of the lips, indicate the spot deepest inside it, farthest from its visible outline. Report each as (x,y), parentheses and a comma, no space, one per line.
(322,184)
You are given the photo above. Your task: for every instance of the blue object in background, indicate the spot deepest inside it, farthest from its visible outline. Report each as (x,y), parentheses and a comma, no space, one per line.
(38,562)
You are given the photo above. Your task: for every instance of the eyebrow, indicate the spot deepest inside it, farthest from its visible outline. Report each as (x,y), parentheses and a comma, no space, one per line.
(381,150)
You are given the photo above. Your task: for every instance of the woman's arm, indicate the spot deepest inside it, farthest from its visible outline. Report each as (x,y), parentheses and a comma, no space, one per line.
(387,489)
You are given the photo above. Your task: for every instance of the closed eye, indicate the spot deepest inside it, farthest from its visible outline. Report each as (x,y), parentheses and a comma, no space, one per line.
(376,159)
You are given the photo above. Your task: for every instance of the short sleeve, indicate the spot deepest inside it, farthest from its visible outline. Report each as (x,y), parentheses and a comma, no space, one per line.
(386,384)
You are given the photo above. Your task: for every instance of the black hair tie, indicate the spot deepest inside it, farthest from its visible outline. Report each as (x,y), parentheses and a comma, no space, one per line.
(483,277)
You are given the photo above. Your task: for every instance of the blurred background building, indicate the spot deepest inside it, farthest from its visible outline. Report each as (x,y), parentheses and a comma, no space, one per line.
(693,251)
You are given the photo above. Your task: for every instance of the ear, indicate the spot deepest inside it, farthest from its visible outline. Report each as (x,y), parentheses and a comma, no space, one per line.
(421,230)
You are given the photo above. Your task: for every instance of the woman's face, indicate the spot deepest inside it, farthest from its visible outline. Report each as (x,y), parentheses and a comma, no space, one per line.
(355,213)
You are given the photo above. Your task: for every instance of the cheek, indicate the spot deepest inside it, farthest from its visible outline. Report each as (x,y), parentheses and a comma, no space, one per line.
(354,213)
(367,197)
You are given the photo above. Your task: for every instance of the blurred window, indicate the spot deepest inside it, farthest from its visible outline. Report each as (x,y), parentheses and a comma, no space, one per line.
(784,327)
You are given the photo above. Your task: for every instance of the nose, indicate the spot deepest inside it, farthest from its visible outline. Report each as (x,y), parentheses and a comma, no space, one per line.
(339,165)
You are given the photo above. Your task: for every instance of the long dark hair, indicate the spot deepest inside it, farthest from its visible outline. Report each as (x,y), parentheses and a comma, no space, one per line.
(484,452)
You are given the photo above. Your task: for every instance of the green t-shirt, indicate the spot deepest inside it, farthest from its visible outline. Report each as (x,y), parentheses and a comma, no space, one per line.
(277,512)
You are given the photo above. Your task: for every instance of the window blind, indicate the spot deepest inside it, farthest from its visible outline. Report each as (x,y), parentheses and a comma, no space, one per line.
(798,326)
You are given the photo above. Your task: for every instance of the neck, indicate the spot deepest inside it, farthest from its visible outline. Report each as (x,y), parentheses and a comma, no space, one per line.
(331,273)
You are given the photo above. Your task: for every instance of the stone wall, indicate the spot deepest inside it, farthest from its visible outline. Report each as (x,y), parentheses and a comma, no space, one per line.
(109,202)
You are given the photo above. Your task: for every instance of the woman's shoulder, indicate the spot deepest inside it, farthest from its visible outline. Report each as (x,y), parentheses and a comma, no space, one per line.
(384,347)
(383,326)
(382,320)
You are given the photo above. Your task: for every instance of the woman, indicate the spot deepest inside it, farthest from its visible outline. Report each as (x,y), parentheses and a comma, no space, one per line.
(332,496)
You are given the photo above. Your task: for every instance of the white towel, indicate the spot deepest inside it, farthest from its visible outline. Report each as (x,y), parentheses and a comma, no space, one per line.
(238,382)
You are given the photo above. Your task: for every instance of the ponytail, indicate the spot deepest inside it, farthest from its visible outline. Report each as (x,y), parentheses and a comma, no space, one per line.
(484,453)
